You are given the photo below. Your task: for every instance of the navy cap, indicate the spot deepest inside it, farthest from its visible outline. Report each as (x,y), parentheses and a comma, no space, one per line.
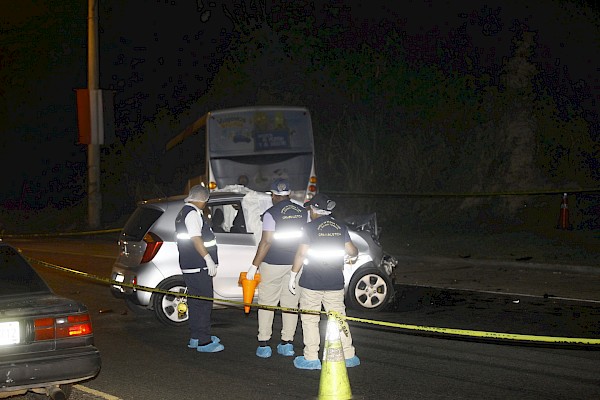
(280,187)
(322,202)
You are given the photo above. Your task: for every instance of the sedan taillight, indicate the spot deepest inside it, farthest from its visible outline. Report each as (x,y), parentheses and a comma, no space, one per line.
(62,327)
(153,244)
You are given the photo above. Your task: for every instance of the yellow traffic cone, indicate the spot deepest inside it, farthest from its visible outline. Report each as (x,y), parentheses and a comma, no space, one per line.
(334,382)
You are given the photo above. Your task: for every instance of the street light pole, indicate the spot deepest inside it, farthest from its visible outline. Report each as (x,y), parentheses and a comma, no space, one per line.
(97,131)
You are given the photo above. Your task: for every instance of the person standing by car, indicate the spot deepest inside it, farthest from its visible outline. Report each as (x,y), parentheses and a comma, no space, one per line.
(324,245)
(281,231)
(198,262)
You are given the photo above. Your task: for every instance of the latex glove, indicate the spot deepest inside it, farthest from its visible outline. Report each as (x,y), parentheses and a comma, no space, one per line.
(251,272)
(210,264)
(349,259)
(292,283)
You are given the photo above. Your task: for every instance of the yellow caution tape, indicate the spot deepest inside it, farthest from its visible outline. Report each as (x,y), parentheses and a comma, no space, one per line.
(26,235)
(341,318)
(368,195)
(471,194)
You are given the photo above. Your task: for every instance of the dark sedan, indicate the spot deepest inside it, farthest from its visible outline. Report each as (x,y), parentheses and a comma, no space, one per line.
(46,341)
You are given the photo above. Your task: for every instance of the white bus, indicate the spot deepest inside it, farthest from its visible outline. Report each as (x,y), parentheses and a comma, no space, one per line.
(252,146)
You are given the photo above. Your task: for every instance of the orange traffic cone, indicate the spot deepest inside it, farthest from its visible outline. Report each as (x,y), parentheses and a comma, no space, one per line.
(334,382)
(563,219)
(248,287)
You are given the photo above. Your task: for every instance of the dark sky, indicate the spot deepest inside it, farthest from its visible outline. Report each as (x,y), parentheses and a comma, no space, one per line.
(162,53)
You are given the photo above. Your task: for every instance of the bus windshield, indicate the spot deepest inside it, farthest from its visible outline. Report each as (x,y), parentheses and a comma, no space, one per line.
(253,146)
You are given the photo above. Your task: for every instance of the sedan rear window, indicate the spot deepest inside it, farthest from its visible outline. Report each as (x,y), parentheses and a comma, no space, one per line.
(16,275)
(139,223)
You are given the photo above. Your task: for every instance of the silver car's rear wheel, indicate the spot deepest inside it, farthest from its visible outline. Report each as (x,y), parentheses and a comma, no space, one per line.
(171,309)
(370,289)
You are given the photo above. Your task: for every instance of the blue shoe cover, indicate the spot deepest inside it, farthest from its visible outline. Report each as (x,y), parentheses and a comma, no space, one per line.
(285,349)
(193,344)
(264,351)
(212,347)
(352,362)
(302,363)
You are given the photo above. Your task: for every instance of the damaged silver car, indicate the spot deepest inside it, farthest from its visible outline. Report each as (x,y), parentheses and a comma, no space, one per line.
(148,255)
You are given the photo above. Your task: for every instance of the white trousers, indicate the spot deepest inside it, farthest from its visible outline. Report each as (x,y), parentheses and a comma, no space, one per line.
(273,290)
(331,300)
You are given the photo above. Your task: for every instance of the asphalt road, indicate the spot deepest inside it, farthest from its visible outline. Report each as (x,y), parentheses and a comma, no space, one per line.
(143,359)
(544,280)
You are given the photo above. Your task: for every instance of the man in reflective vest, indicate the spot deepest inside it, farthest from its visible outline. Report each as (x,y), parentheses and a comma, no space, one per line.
(198,262)
(324,245)
(282,228)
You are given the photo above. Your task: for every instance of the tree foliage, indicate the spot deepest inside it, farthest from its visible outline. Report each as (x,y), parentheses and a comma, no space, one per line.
(53,27)
(386,123)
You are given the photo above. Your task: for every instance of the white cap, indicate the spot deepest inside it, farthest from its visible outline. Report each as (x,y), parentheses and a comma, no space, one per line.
(198,193)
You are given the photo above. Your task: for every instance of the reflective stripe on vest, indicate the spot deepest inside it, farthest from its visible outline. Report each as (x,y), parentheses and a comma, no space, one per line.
(287,235)
(324,256)
(185,236)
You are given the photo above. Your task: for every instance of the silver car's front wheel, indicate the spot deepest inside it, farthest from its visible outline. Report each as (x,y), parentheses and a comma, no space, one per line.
(370,289)
(171,309)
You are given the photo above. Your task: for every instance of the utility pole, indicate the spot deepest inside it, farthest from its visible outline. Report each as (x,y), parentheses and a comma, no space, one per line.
(96,120)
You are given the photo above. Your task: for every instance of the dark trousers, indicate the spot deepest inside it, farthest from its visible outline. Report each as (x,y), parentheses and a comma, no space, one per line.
(199,311)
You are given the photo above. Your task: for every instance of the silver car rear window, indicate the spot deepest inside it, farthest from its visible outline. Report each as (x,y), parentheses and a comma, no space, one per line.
(140,222)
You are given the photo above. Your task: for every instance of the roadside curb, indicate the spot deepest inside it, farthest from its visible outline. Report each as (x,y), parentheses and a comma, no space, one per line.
(584,269)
